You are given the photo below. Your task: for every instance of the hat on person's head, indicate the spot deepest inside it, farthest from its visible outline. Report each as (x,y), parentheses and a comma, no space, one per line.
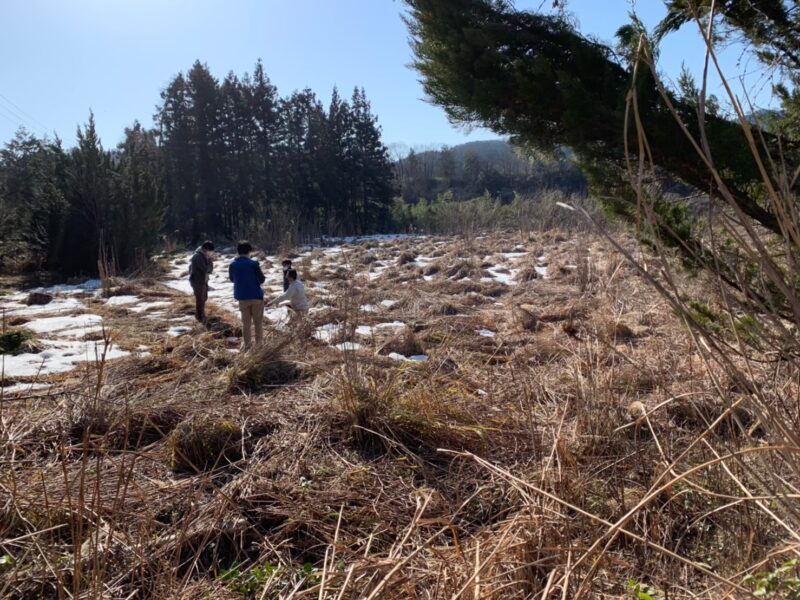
(207,245)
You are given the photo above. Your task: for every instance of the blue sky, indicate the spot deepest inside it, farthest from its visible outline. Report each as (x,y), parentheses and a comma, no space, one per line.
(60,58)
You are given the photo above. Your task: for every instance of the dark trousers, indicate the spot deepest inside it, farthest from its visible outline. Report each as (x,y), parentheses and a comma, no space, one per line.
(200,298)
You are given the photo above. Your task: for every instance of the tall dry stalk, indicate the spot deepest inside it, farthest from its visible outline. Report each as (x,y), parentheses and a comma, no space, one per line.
(746,332)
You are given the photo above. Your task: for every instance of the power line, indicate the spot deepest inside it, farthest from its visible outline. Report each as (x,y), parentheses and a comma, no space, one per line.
(13,122)
(24,112)
(19,120)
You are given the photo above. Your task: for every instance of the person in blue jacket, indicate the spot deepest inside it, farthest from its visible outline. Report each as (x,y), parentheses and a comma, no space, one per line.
(247,277)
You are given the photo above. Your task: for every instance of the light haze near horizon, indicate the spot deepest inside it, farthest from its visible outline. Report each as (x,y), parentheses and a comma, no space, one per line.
(62,59)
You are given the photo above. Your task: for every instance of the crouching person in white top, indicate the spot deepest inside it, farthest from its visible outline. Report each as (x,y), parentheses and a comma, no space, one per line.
(295,294)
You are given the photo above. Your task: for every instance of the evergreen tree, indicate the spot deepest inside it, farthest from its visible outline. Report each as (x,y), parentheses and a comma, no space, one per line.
(31,199)
(176,133)
(90,213)
(533,77)
(207,149)
(372,189)
(138,196)
(266,138)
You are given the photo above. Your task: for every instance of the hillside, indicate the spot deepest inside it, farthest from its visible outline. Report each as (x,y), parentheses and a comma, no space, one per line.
(494,166)
(459,414)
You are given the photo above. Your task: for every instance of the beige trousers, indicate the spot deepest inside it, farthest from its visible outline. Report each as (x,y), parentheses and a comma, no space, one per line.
(252,318)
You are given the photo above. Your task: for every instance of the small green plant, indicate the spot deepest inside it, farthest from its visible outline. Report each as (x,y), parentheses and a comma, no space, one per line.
(12,341)
(642,591)
(6,562)
(250,581)
(749,330)
(704,316)
(782,583)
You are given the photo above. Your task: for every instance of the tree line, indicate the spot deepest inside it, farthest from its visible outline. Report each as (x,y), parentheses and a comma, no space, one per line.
(471,170)
(225,160)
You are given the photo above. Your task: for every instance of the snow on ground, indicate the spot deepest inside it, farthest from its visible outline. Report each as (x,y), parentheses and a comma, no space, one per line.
(326,333)
(414,358)
(60,356)
(58,332)
(332,255)
(178,330)
(58,305)
(348,346)
(507,278)
(122,300)
(143,307)
(23,388)
(371,330)
(55,324)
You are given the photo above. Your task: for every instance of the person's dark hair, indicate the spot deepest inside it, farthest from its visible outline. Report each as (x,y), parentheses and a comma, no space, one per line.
(286,263)
(244,248)
(292,274)
(207,246)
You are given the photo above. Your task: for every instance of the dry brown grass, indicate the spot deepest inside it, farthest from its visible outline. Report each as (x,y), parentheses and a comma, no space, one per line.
(490,471)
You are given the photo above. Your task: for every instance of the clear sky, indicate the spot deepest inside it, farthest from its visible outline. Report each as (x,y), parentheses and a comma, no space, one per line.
(59,58)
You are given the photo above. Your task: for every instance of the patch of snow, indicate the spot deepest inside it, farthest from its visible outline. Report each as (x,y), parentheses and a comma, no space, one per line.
(514,254)
(58,305)
(541,271)
(413,358)
(428,277)
(348,346)
(327,332)
(392,325)
(147,306)
(388,303)
(23,388)
(178,330)
(507,278)
(369,308)
(278,315)
(368,330)
(80,331)
(486,333)
(182,285)
(54,324)
(364,330)
(122,300)
(373,275)
(60,357)
(88,286)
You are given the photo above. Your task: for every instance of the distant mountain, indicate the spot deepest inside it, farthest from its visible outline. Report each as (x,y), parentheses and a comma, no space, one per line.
(472,168)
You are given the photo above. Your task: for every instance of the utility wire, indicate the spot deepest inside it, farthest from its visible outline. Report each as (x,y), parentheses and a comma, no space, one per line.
(19,120)
(24,112)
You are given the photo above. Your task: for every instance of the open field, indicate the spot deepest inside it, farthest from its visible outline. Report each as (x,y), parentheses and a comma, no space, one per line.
(461,418)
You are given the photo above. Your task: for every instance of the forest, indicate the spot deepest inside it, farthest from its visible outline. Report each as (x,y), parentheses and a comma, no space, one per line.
(225,160)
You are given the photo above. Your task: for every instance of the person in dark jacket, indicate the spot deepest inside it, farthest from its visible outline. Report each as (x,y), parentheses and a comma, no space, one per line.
(287,266)
(247,277)
(200,267)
